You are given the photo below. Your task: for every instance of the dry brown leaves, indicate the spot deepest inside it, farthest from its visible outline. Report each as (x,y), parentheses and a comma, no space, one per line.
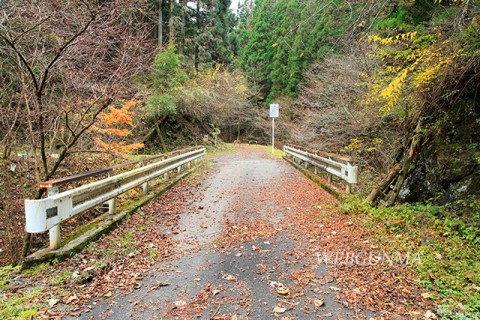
(116,262)
(382,287)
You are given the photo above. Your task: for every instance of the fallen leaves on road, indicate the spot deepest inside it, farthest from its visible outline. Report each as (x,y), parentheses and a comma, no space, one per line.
(229,277)
(293,205)
(318,303)
(278,310)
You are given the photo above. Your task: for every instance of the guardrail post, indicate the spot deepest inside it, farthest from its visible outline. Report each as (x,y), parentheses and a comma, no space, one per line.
(329,178)
(352,176)
(348,188)
(145,185)
(111,202)
(179,169)
(42,215)
(54,232)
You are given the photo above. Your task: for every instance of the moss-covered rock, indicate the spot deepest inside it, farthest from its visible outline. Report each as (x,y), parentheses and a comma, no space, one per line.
(448,166)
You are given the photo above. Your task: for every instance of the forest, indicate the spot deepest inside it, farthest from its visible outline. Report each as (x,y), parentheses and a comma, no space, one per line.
(392,83)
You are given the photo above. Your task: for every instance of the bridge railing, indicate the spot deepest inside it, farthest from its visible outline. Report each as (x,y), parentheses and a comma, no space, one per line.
(335,165)
(47,214)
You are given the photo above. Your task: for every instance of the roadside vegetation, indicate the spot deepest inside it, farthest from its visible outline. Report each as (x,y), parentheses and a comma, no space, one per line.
(447,241)
(393,84)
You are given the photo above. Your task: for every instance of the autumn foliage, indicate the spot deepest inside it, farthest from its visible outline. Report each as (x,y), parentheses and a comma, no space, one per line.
(115,125)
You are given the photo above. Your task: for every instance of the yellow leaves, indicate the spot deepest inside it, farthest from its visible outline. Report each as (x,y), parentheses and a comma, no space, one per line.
(275,44)
(354,146)
(392,91)
(384,41)
(374,38)
(406,36)
(426,76)
(358,145)
(411,62)
(431,68)
(301,54)
(393,40)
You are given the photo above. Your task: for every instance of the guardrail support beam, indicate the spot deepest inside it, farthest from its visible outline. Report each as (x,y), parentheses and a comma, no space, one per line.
(342,169)
(111,202)
(54,232)
(47,214)
(145,186)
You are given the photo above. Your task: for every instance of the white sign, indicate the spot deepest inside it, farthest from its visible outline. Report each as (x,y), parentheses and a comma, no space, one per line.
(274,111)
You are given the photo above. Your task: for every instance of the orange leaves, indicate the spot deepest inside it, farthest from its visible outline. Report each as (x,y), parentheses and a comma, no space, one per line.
(113,131)
(119,116)
(114,124)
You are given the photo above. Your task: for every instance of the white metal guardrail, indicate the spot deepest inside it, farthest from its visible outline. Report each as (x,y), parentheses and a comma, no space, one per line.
(338,166)
(47,214)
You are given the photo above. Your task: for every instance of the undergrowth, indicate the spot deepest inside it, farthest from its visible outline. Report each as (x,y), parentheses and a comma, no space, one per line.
(448,241)
(13,305)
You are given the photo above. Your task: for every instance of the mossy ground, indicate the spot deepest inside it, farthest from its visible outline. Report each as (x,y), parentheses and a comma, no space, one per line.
(449,249)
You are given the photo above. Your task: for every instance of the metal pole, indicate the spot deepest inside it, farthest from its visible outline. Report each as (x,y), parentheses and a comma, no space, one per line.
(145,185)
(348,188)
(273,134)
(54,232)
(111,202)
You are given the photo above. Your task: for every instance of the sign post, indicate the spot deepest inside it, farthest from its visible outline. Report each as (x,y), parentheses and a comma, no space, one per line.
(273,114)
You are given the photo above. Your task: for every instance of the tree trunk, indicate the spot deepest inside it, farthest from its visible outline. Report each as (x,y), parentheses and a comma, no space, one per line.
(160,136)
(197,45)
(181,45)
(410,157)
(379,190)
(399,172)
(160,23)
(171,24)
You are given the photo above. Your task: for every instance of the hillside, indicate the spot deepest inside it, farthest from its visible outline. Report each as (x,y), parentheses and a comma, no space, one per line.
(392,82)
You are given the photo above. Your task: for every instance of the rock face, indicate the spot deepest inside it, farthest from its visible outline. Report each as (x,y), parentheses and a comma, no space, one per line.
(448,166)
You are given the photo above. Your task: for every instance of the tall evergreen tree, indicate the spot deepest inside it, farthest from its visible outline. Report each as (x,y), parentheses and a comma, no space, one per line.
(280,38)
(258,53)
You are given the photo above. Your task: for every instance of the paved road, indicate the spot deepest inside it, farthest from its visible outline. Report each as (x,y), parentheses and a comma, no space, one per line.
(239,252)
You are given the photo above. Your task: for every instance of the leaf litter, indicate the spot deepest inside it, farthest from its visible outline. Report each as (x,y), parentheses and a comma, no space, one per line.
(114,264)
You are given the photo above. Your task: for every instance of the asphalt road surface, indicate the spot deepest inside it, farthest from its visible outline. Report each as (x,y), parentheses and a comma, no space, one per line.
(240,255)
